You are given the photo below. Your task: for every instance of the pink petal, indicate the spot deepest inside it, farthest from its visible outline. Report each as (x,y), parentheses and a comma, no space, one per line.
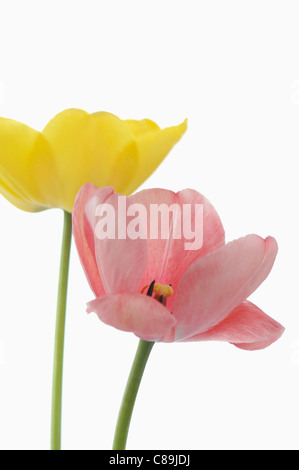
(216,284)
(84,236)
(247,327)
(144,316)
(169,259)
(121,262)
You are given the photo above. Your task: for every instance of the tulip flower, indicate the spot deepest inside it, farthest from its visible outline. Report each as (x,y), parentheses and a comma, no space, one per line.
(209,286)
(39,170)
(42,170)
(161,292)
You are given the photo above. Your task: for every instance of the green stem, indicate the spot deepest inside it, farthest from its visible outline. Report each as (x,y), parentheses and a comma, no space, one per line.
(59,333)
(131,390)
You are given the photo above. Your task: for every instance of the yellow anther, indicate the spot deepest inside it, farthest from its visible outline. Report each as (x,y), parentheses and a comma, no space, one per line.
(144,288)
(163,289)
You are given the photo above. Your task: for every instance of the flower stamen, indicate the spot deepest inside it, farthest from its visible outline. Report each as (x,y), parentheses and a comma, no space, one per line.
(161,291)
(151,288)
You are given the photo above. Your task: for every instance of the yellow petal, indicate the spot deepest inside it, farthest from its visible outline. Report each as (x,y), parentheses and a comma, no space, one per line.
(24,156)
(153,146)
(94,148)
(142,127)
(46,169)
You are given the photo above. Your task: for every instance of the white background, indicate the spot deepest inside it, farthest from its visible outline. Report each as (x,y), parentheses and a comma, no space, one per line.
(232,68)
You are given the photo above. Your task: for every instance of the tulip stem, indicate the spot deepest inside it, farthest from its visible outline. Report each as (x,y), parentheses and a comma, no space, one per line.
(59,333)
(129,397)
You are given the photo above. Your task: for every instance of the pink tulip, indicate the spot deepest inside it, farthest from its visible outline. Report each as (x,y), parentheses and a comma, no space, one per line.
(210,285)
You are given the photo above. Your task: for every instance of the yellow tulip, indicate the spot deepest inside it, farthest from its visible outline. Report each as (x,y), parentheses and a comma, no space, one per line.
(40,170)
